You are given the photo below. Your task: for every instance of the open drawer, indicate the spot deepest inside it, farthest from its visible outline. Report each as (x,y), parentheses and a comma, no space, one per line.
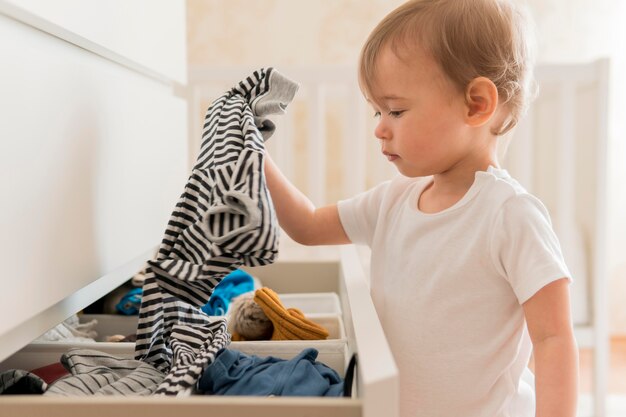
(376,388)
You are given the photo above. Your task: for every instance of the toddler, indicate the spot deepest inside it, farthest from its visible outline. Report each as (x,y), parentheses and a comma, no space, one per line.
(467,275)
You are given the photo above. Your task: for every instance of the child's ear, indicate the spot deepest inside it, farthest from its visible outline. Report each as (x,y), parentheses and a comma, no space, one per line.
(481,98)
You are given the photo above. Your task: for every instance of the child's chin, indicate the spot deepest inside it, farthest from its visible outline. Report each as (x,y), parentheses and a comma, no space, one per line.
(408,172)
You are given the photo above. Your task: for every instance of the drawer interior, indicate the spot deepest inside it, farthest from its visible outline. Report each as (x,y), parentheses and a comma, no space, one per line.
(320,304)
(354,332)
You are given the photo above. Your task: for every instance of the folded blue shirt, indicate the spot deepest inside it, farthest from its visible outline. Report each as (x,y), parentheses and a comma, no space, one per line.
(235,373)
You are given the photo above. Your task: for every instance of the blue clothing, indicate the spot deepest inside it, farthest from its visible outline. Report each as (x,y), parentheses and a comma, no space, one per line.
(232,285)
(235,373)
(130,303)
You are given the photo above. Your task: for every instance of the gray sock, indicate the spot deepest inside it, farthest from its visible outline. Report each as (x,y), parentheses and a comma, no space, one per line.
(282,90)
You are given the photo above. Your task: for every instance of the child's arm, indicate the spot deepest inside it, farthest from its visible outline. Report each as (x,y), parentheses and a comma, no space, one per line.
(298,216)
(554,349)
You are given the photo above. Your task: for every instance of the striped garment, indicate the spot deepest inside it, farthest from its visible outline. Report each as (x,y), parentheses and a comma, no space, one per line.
(223,219)
(99,373)
(18,381)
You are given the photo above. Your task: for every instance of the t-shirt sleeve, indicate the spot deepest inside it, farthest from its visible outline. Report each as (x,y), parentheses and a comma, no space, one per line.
(525,248)
(359,214)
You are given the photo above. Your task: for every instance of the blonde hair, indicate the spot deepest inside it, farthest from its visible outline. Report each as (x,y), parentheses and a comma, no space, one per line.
(467,39)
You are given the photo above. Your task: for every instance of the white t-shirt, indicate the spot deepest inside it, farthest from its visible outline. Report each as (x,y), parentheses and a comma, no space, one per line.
(448,289)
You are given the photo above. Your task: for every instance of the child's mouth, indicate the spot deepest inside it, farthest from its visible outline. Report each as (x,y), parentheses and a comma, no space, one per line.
(390,156)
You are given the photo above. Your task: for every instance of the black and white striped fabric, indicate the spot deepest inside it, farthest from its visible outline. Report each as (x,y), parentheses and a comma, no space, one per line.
(223,219)
(98,373)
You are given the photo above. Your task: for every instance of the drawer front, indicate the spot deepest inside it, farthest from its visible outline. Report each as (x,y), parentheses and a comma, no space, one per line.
(19,406)
(95,157)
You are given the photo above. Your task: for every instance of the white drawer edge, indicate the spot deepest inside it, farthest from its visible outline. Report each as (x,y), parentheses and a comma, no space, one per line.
(378,374)
(196,406)
(32,327)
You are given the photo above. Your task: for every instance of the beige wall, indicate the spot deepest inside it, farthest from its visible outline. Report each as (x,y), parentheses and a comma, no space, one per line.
(280,32)
(290,34)
(330,32)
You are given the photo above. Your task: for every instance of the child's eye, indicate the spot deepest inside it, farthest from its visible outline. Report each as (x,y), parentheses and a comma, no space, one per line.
(392,113)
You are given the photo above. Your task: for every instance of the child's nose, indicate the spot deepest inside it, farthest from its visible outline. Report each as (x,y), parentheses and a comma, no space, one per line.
(381,131)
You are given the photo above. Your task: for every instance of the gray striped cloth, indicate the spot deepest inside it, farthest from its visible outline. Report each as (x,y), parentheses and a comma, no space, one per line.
(98,373)
(223,219)
(18,381)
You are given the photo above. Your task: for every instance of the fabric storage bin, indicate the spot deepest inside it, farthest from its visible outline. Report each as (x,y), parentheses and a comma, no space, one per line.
(332,351)
(110,324)
(321,308)
(38,354)
(313,304)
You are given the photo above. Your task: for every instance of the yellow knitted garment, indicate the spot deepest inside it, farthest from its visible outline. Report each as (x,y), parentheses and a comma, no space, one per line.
(289,323)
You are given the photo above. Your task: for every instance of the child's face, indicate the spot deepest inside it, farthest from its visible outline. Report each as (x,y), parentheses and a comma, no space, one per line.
(421,125)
